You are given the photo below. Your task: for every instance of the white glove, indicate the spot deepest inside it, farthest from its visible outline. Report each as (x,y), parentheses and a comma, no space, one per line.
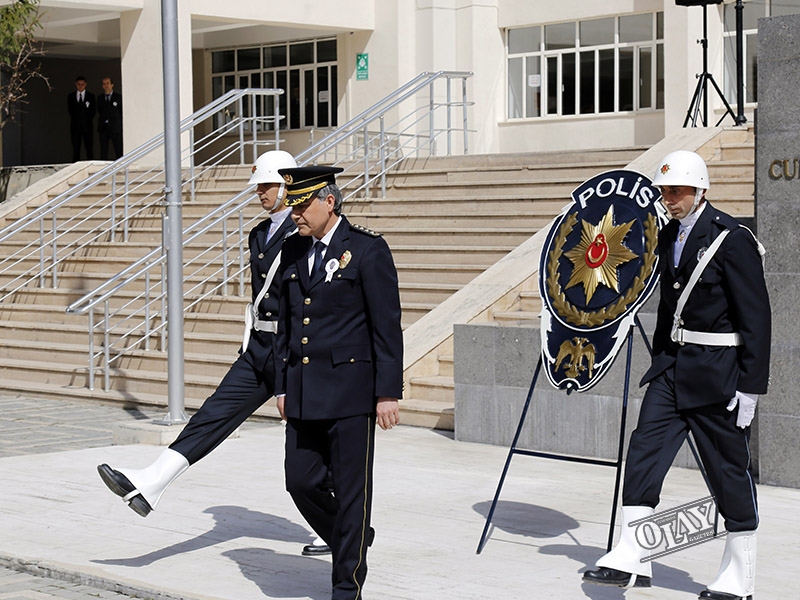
(747,408)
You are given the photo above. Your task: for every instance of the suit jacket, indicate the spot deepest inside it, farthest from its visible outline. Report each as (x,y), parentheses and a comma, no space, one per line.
(340,341)
(730,296)
(81,114)
(109,113)
(262,255)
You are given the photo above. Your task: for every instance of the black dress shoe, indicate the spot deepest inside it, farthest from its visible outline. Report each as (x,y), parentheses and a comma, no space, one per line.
(312,550)
(607,576)
(122,487)
(712,595)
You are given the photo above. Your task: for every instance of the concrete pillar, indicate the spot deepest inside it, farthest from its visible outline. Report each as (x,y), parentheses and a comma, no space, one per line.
(141,69)
(777,218)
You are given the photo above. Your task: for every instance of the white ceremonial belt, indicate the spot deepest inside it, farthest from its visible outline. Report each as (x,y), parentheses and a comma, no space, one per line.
(704,338)
(268,326)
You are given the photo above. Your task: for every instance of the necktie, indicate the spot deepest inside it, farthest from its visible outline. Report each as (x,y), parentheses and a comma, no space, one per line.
(319,248)
(80,96)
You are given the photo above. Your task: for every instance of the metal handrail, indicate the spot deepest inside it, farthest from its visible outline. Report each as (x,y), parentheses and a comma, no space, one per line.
(128,311)
(48,240)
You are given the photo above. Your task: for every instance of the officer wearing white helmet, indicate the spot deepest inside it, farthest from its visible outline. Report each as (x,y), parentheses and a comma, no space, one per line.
(710,363)
(250,381)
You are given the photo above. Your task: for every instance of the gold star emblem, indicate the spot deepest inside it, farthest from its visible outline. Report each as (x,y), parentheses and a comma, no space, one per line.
(598,254)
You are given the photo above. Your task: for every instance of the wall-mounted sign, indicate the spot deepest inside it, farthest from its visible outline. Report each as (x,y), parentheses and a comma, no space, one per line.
(362,67)
(787,168)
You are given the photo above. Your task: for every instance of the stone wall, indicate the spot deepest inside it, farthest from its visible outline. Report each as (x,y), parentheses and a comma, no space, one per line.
(778,219)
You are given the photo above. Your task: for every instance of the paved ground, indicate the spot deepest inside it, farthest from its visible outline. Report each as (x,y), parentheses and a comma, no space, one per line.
(227,530)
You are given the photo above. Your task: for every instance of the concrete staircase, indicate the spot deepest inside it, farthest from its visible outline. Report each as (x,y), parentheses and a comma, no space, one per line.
(446,219)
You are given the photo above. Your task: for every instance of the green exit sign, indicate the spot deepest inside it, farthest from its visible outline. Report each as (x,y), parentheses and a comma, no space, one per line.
(362,67)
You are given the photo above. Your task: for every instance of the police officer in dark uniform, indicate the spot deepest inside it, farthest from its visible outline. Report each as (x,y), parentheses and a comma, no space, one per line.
(710,362)
(340,339)
(250,381)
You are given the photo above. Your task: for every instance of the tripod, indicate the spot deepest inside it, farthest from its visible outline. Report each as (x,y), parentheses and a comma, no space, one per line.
(701,91)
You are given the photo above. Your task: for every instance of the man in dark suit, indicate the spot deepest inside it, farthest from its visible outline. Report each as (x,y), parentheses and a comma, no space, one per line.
(250,381)
(710,362)
(109,119)
(81,107)
(341,345)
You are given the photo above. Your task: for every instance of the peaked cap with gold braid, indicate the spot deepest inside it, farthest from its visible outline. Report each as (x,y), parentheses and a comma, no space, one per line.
(303,183)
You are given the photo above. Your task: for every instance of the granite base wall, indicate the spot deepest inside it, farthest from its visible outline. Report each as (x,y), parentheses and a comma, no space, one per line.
(494,366)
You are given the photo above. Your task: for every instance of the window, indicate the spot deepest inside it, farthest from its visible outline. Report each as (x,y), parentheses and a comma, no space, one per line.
(751,12)
(306,71)
(613,64)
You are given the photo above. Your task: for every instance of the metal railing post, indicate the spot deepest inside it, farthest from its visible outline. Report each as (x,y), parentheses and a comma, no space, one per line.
(42,270)
(191,165)
(383,157)
(366,162)
(241,253)
(106,353)
(113,229)
(464,109)
(91,349)
(147,328)
(225,257)
(113,204)
(240,120)
(449,121)
(431,109)
(55,251)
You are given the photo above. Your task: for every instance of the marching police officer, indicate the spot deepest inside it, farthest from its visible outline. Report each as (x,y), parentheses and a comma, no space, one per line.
(710,363)
(340,339)
(251,379)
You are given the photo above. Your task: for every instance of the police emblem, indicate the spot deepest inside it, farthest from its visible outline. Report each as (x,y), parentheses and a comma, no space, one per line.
(598,267)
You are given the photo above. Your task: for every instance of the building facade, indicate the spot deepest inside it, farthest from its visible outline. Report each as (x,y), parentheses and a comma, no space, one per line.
(547,75)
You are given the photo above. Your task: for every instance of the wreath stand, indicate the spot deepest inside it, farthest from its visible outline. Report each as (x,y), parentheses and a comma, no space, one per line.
(592,461)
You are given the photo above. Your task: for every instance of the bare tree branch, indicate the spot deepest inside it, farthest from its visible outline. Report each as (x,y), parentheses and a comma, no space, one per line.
(19,49)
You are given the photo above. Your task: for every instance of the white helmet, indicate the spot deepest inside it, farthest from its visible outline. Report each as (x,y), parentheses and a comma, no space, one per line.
(265,169)
(682,167)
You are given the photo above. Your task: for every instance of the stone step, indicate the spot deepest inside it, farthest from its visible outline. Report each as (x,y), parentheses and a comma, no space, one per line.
(439,388)
(433,414)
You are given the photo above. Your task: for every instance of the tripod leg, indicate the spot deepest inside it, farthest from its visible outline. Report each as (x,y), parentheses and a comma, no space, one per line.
(694,105)
(728,109)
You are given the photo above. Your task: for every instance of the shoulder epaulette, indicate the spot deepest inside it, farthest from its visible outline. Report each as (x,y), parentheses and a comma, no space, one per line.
(363,229)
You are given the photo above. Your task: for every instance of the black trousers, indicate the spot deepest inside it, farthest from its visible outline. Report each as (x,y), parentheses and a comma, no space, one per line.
(82,133)
(115,139)
(345,448)
(723,447)
(243,389)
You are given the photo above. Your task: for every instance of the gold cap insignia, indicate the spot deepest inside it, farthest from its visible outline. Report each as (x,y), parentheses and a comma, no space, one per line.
(288,179)
(664,168)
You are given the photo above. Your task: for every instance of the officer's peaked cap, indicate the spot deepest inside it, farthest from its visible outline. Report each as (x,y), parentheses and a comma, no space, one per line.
(303,183)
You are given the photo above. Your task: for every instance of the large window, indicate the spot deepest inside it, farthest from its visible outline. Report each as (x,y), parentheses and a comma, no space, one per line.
(305,70)
(609,65)
(751,12)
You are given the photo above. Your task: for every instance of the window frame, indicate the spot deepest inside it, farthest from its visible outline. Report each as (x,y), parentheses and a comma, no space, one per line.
(308,112)
(517,108)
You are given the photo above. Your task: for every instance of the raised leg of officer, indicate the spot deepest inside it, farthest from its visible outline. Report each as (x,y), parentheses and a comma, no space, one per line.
(239,394)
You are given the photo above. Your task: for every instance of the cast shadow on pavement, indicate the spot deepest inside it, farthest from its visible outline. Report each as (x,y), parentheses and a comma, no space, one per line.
(284,575)
(231,522)
(529,520)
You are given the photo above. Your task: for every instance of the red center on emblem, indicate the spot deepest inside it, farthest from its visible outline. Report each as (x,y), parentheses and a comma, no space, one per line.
(597,252)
